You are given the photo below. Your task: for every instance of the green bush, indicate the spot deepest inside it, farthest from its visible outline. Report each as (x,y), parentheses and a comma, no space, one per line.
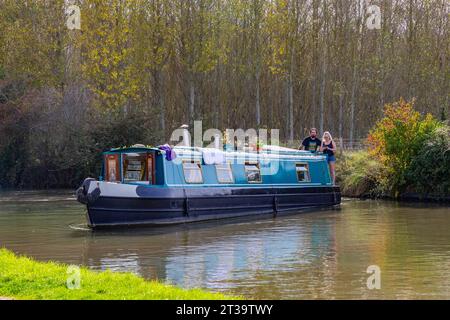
(396,140)
(38,151)
(408,153)
(429,172)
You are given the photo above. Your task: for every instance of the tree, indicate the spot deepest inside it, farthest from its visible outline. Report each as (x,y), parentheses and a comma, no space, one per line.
(284,42)
(197,24)
(152,41)
(106,53)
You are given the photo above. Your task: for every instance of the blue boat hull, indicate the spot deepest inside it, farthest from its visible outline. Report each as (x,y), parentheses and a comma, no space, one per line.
(181,205)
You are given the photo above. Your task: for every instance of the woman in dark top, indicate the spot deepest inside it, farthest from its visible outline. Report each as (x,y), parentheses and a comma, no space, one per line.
(328,147)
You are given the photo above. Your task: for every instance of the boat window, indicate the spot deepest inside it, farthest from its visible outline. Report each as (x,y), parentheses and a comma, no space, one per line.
(224,173)
(136,167)
(192,172)
(302,170)
(112,170)
(253,173)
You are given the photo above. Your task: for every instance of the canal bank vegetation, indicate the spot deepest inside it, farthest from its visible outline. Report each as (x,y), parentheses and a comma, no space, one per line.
(24,278)
(407,157)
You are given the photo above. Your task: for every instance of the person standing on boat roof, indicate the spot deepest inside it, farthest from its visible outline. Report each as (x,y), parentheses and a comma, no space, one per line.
(328,147)
(311,143)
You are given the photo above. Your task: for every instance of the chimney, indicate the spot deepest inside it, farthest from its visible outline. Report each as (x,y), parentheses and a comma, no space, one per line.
(186,135)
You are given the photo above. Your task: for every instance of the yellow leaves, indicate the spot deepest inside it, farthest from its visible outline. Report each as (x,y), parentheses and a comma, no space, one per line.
(122,41)
(33,49)
(104,63)
(93,55)
(398,138)
(105,53)
(282,27)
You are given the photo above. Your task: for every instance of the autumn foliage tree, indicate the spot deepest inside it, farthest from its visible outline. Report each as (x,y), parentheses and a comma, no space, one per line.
(398,138)
(106,51)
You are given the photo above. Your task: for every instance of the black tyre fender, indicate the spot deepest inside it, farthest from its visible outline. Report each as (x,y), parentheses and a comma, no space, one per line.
(82,191)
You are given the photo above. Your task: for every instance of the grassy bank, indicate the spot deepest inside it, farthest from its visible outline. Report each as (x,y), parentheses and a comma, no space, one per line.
(24,278)
(358,175)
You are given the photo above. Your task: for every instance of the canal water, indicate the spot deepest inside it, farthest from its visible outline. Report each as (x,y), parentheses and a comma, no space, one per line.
(322,254)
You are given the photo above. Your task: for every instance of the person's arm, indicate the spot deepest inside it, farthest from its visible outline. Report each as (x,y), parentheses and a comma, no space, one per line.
(303,145)
(319,145)
(322,148)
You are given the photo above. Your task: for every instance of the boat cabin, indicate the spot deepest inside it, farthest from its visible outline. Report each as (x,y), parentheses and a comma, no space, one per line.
(149,167)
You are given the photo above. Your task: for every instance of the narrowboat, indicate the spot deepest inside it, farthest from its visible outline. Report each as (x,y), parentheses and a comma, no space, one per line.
(143,185)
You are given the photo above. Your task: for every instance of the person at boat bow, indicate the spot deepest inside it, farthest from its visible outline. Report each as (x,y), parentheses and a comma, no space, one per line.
(328,147)
(311,143)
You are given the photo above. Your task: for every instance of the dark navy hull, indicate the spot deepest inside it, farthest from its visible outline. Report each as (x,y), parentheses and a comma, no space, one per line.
(159,206)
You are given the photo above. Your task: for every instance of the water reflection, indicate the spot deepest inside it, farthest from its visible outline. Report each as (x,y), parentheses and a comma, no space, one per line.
(311,255)
(237,258)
